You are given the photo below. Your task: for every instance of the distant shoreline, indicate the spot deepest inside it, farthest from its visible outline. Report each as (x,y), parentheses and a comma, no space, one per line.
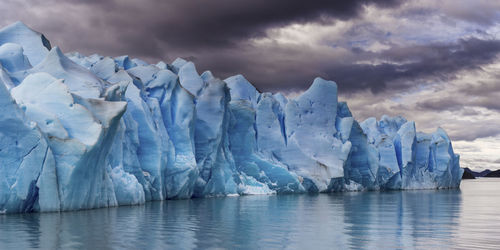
(470,174)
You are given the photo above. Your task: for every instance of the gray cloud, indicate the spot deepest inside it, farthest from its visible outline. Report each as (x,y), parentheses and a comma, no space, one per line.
(469,131)
(483,12)
(215,35)
(187,26)
(427,62)
(441,104)
(195,25)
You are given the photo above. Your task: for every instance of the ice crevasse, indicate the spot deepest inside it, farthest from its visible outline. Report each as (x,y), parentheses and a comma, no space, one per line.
(80,132)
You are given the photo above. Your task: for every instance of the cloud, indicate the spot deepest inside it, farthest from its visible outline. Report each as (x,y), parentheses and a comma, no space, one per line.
(483,12)
(484,155)
(195,25)
(464,106)
(404,66)
(184,25)
(221,35)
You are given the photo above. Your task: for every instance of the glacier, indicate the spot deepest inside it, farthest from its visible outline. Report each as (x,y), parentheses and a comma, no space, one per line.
(81,132)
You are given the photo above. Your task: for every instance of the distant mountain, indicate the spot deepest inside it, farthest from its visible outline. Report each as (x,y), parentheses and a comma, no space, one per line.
(483,173)
(495,173)
(469,174)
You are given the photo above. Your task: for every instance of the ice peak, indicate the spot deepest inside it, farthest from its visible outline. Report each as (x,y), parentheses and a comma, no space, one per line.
(242,89)
(34,43)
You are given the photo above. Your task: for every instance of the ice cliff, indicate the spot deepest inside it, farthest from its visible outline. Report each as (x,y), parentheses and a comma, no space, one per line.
(80,132)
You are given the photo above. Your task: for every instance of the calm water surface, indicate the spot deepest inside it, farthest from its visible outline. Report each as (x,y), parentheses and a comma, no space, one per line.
(466,218)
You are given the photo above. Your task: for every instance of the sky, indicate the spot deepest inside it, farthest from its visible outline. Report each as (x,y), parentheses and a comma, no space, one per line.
(434,62)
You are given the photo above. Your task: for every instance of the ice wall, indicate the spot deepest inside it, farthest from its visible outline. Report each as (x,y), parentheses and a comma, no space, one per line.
(79,132)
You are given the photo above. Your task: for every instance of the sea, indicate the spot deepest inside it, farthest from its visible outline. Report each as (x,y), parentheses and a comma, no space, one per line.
(465,218)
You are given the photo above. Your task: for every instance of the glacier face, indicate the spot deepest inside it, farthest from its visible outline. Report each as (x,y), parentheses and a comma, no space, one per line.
(80,132)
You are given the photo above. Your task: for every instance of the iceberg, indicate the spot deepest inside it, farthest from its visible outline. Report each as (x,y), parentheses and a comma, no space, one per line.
(81,132)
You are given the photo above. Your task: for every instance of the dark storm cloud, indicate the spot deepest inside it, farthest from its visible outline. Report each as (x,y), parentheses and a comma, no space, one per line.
(215,35)
(189,26)
(194,25)
(401,67)
(408,65)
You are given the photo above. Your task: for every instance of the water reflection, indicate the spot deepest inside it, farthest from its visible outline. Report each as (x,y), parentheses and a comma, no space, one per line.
(412,219)
(373,220)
